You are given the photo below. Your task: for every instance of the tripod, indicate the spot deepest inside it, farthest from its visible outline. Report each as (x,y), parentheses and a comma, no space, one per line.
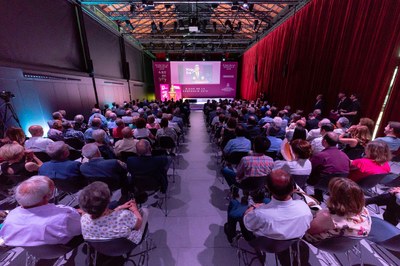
(7,112)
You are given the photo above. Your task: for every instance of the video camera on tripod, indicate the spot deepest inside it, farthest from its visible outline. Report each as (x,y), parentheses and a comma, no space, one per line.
(6,95)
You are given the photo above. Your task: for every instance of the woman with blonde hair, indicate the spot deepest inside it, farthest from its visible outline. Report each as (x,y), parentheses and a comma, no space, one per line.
(376,161)
(346,214)
(355,144)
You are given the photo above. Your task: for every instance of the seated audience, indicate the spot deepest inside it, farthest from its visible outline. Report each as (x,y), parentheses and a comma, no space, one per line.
(147,165)
(96,124)
(312,122)
(79,123)
(345,214)
(356,142)
(315,133)
(71,133)
(238,144)
(55,133)
(228,132)
(252,129)
(255,164)
(341,125)
(141,131)
(96,113)
(283,218)
(128,143)
(57,116)
(13,134)
(117,131)
(18,164)
(60,167)
(37,143)
(99,137)
(151,123)
(392,203)
(36,221)
(100,222)
(316,143)
(276,142)
(392,134)
(165,130)
(112,117)
(300,163)
(377,156)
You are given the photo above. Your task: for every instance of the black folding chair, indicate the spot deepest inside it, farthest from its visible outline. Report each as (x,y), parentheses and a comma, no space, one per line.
(124,155)
(75,143)
(46,252)
(43,156)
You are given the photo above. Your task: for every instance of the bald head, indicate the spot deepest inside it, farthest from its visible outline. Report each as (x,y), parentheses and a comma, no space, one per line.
(96,122)
(143,148)
(280,184)
(36,131)
(34,191)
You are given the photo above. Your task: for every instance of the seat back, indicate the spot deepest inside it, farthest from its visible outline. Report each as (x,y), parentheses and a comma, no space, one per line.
(112,247)
(324,181)
(68,186)
(390,180)
(339,244)
(75,143)
(269,245)
(43,156)
(236,156)
(143,183)
(370,181)
(166,142)
(124,155)
(253,183)
(301,180)
(48,251)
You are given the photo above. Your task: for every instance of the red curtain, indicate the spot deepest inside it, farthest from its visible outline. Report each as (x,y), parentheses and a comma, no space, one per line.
(327,47)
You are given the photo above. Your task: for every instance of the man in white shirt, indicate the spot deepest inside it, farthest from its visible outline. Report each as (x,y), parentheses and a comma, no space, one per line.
(316,143)
(37,143)
(36,221)
(283,218)
(128,143)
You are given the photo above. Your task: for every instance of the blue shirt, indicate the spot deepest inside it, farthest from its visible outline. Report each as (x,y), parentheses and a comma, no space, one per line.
(237,144)
(276,143)
(392,142)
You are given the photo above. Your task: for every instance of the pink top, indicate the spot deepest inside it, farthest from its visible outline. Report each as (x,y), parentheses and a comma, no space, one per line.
(365,167)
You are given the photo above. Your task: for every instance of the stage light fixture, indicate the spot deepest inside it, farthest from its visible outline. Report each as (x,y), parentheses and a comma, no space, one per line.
(214,6)
(167,58)
(251,6)
(228,23)
(132,8)
(161,26)
(235,5)
(245,4)
(167,6)
(129,24)
(215,26)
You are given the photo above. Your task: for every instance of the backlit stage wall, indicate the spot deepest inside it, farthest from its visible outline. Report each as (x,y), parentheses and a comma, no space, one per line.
(195,79)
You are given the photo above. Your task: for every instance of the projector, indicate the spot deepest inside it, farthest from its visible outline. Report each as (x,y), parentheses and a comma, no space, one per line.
(193,28)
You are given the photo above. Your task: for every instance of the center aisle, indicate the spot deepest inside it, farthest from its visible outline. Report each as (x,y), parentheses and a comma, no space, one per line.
(193,234)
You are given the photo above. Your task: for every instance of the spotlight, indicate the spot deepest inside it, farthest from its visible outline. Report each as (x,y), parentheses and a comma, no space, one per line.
(132,8)
(229,24)
(167,58)
(245,4)
(204,58)
(251,6)
(223,58)
(235,5)
(255,24)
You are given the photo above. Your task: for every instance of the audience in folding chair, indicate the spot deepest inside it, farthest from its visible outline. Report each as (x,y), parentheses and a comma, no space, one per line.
(127,144)
(391,200)
(37,143)
(36,221)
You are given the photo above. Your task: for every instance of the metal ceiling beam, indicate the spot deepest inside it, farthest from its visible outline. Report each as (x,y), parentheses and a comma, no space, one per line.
(197,51)
(197,41)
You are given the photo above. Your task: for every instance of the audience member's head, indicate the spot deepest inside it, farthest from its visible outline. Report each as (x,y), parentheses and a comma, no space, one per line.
(79,119)
(91,151)
(12,152)
(362,134)
(58,125)
(393,128)
(96,122)
(58,150)
(280,184)
(378,151)
(326,128)
(127,132)
(164,122)
(99,135)
(15,134)
(330,139)
(346,197)
(261,144)
(301,148)
(119,123)
(342,122)
(36,131)
(57,116)
(151,119)
(143,148)
(240,131)
(323,122)
(94,199)
(251,121)
(299,133)
(232,123)
(368,122)
(140,123)
(35,191)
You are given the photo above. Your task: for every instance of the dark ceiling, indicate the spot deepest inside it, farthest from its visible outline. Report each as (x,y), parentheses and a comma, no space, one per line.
(201,28)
